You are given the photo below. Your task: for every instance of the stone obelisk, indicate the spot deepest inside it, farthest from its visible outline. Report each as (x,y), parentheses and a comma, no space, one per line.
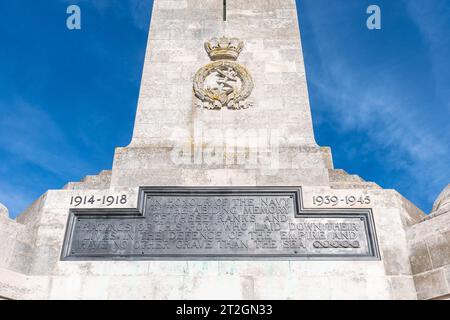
(269,142)
(223,138)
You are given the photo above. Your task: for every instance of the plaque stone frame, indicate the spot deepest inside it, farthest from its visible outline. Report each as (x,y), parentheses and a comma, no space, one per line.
(78,215)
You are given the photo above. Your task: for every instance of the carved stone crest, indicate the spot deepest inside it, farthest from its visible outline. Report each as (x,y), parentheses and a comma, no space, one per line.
(223,83)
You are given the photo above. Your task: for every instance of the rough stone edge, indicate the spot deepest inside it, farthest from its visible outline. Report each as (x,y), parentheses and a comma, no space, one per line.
(25,238)
(91,182)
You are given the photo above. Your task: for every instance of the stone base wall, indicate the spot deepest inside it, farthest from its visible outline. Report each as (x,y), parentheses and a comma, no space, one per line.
(40,274)
(287,165)
(429,243)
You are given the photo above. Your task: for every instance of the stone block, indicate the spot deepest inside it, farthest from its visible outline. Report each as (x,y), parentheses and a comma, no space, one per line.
(402,288)
(420,258)
(439,249)
(430,285)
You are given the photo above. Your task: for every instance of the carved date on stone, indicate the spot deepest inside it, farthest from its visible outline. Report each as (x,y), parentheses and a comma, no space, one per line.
(223,83)
(220,224)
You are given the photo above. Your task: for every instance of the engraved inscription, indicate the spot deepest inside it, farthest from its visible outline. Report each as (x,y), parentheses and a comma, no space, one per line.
(107,200)
(233,225)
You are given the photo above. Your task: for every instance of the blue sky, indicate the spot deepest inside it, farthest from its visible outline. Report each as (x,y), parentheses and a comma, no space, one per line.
(380,99)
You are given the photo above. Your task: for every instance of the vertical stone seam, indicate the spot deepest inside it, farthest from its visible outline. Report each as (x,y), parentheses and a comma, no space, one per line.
(429,254)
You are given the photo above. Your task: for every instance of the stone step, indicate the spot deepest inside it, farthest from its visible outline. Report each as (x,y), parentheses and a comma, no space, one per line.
(100,181)
(339,175)
(352,185)
(340,179)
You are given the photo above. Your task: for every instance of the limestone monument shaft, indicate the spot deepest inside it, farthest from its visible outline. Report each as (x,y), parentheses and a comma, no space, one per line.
(223,186)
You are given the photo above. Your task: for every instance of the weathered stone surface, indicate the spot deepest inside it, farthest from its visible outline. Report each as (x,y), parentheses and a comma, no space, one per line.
(272,55)
(402,288)
(243,279)
(218,224)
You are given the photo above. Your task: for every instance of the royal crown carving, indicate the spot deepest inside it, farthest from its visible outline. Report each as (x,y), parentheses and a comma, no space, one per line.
(223,83)
(224,48)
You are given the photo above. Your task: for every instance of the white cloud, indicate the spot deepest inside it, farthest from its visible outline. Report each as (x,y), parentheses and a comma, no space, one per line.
(432,20)
(385,113)
(31,135)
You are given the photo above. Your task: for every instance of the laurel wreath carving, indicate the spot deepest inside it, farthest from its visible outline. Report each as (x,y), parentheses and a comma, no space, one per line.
(233,100)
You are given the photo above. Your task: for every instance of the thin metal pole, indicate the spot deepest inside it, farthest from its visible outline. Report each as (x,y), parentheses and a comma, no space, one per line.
(224,10)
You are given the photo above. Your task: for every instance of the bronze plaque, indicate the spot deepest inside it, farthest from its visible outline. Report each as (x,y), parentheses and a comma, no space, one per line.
(221,224)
